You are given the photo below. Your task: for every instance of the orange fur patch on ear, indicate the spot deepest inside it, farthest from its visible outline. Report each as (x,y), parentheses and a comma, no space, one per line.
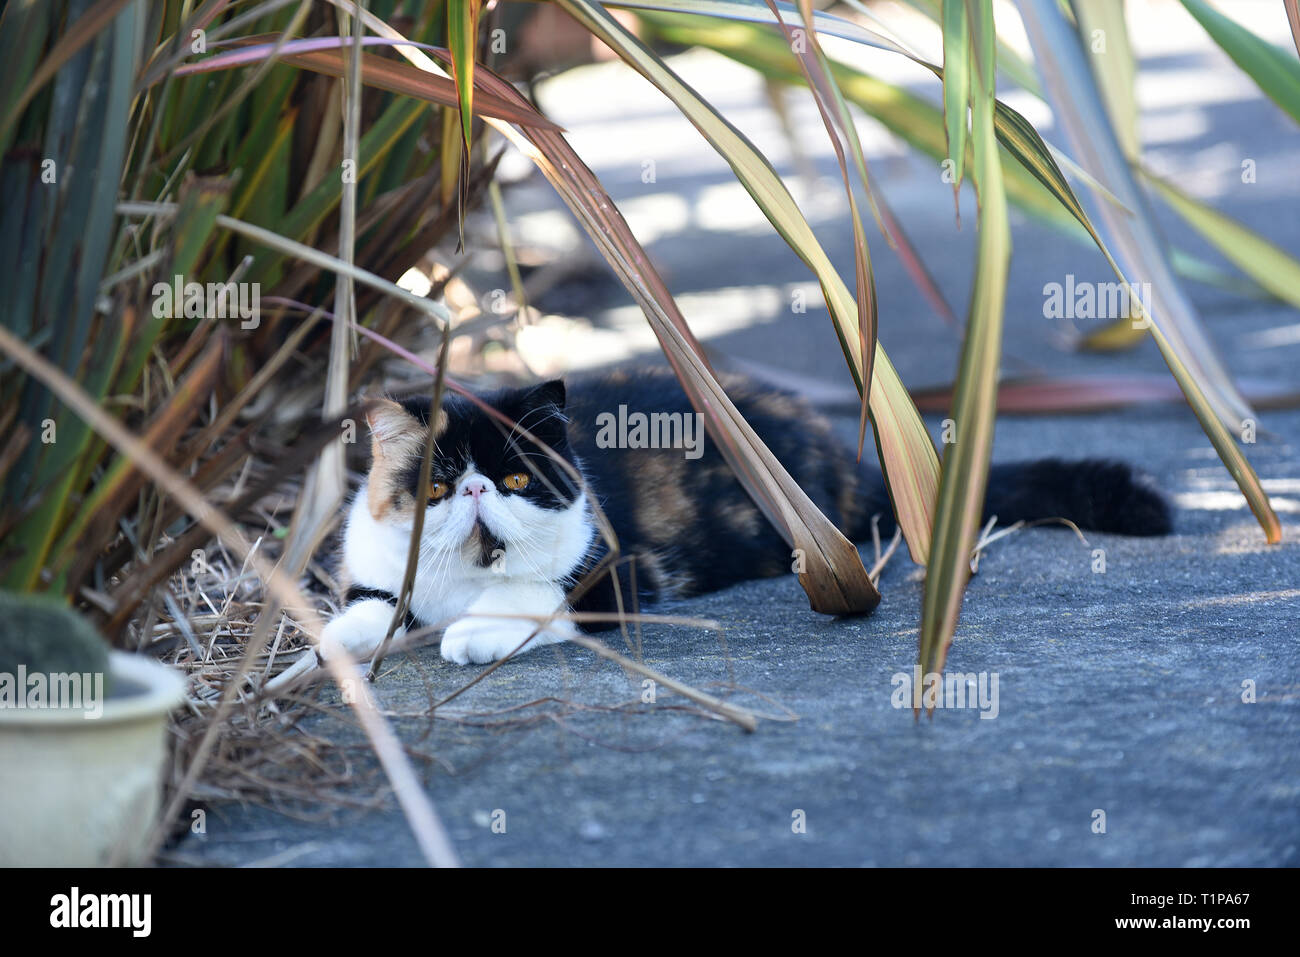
(394,432)
(379,493)
(396,436)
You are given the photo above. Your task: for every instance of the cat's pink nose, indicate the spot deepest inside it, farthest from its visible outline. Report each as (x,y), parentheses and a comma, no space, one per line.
(474,486)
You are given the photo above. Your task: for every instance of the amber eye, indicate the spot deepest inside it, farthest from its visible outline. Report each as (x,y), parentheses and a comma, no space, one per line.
(516,482)
(437,490)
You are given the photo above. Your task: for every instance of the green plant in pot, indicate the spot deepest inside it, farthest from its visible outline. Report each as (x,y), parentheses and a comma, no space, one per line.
(82,735)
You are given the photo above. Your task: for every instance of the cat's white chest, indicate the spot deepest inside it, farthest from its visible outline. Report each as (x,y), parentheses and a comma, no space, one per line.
(375,555)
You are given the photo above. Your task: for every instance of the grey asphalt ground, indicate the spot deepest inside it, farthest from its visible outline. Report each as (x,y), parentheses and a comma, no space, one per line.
(1119,691)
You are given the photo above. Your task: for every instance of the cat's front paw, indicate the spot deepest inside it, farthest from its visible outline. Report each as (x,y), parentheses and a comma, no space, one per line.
(481,640)
(360,630)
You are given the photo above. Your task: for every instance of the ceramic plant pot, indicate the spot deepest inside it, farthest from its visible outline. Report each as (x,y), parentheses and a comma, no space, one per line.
(80,789)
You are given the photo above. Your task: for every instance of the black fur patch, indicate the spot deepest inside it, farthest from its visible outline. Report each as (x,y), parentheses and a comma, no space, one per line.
(705,533)
(356,593)
(490,547)
(1095,494)
(686,525)
(495,449)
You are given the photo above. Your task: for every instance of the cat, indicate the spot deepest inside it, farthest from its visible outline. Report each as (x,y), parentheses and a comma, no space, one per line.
(508,531)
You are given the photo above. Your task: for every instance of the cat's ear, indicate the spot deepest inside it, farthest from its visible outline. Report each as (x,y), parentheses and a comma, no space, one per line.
(540,409)
(548,393)
(394,432)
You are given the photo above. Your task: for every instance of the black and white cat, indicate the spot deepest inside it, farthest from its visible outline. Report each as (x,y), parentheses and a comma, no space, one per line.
(508,531)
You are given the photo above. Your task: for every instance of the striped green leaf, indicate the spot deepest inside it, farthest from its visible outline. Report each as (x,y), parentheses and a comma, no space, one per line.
(1271,266)
(1276,71)
(966,460)
(956,85)
(907,454)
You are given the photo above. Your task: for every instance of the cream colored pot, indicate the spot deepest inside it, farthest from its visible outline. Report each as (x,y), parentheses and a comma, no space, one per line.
(79,791)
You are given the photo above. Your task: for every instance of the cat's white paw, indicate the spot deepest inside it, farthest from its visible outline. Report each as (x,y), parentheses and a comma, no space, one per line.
(481,640)
(361,629)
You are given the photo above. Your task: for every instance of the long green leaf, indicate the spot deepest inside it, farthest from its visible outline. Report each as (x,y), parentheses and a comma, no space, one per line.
(462,41)
(907,454)
(1169,315)
(1127,226)
(86,131)
(87,27)
(841,129)
(1270,266)
(757,11)
(23,30)
(1010,60)
(1276,71)
(913,119)
(1103,29)
(966,460)
(956,86)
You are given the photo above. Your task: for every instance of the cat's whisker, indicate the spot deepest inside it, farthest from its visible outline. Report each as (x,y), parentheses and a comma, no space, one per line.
(551,412)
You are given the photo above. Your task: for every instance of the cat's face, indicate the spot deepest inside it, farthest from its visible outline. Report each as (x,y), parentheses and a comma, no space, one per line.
(493,493)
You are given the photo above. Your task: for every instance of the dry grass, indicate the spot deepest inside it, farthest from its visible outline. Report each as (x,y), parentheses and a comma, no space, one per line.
(303,753)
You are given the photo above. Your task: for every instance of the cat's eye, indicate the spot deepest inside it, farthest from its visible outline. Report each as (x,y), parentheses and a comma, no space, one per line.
(437,490)
(516,481)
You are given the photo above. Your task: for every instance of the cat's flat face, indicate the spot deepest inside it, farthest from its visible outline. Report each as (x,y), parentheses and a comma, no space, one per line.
(493,493)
